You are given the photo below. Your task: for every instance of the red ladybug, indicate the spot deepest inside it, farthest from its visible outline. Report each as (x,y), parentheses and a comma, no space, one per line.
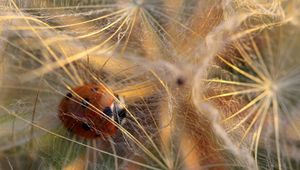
(79,111)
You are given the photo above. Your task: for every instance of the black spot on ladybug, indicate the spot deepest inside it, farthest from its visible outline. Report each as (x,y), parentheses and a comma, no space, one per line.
(85,127)
(94,89)
(180,81)
(69,95)
(108,111)
(85,102)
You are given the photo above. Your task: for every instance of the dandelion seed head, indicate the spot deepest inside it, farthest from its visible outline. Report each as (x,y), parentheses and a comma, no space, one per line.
(201,81)
(262,109)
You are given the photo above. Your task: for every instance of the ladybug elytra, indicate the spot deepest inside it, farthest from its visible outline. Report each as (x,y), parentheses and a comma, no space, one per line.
(82,111)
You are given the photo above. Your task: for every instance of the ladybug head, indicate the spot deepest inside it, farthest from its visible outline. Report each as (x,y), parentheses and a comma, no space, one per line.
(119,112)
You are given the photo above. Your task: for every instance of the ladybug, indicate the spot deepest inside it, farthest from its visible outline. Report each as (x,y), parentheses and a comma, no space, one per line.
(83,111)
